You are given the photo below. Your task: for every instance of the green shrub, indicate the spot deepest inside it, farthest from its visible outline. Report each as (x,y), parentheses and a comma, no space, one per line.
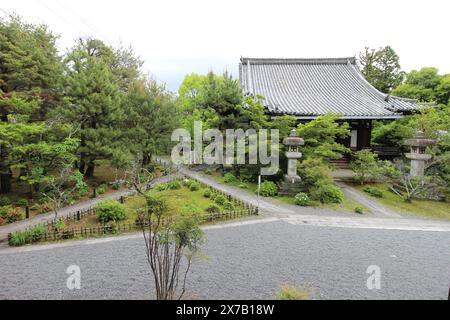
(229,206)
(302,199)
(313,172)
(359,210)
(220,200)
(208,172)
(327,193)
(207,193)
(4,211)
(162,187)
(33,234)
(15,214)
(194,186)
(4,201)
(213,196)
(83,191)
(110,210)
(101,189)
(374,192)
(22,203)
(60,224)
(116,185)
(187,182)
(229,178)
(291,293)
(268,189)
(174,185)
(243,186)
(213,209)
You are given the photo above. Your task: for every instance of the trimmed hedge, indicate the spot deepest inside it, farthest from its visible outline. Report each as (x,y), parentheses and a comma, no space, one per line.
(111,210)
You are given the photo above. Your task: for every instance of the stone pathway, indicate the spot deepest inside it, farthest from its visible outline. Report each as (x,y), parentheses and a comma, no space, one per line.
(375,207)
(266,206)
(20,225)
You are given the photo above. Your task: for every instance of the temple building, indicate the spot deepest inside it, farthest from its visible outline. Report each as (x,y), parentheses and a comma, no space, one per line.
(307,88)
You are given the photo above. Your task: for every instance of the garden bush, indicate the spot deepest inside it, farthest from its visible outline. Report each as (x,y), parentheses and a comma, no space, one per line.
(359,210)
(116,185)
(101,189)
(15,214)
(4,201)
(4,211)
(207,193)
(174,185)
(313,172)
(268,189)
(327,193)
(194,186)
(229,206)
(162,187)
(59,225)
(291,293)
(22,203)
(110,210)
(187,182)
(213,209)
(35,233)
(208,172)
(374,192)
(229,178)
(302,199)
(220,200)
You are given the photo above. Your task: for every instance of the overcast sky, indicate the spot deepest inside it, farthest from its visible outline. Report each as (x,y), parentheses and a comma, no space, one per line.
(176,37)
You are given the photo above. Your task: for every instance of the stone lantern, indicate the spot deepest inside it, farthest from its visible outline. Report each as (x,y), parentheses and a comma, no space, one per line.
(417,154)
(293,154)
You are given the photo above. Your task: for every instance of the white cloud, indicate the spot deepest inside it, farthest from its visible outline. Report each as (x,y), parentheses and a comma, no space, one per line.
(176,37)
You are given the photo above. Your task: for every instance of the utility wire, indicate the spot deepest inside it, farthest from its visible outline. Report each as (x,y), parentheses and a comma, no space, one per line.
(83,33)
(85,21)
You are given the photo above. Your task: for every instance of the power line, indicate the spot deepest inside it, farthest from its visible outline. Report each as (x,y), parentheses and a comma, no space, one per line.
(83,33)
(85,21)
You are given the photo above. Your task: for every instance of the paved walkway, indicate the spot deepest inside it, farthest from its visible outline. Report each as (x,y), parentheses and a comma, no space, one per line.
(267,206)
(374,206)
(20,225)
(243,261)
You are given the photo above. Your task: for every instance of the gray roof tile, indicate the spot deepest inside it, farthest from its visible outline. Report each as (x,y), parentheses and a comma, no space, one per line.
(312,87)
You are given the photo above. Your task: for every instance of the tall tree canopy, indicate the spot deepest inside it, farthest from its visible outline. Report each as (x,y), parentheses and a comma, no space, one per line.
(426,85)
(151,116)
(30,73)
(381,68)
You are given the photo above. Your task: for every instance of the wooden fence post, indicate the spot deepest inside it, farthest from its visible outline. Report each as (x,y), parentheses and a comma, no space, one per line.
(27,212)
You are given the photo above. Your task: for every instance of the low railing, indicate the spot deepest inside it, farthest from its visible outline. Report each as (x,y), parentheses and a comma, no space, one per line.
(53,234)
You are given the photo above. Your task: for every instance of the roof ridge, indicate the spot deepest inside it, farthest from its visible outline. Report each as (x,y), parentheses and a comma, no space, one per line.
(404,99)
(344,60)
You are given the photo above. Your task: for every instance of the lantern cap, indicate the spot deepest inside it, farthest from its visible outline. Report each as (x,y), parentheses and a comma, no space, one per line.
(419,140)
(293,139)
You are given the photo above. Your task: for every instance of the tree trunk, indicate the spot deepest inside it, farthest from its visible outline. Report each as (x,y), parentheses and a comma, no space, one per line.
(5,183)
(145,160)
(90,170)
(5,171)
(82,166)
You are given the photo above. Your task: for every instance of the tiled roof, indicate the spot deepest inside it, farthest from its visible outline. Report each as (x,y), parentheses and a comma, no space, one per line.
(312,87)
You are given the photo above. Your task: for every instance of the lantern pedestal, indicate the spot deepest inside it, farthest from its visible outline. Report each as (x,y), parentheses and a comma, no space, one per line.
(291,184)
(417,154)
